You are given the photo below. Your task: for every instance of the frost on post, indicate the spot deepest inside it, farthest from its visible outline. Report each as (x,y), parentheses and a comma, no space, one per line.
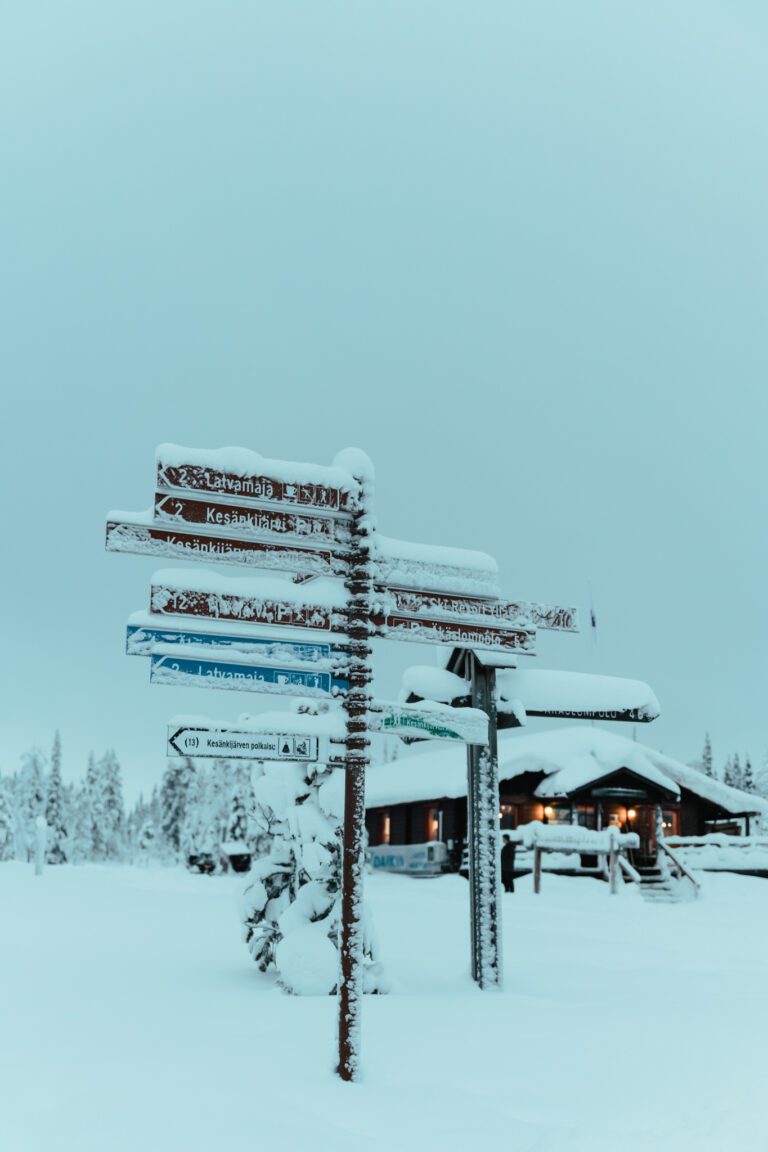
(291,907)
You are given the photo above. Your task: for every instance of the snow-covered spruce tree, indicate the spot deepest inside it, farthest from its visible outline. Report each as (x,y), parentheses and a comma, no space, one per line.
(748,779)
(94,789)
(173,801)
(737,776)
(113,809)
(292,904)
(54,809)
(79,846)
(30,801)
(7,826)
(706,757)
(728,772)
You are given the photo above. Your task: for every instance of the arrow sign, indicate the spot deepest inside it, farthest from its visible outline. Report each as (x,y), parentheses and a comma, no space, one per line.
(129,533)
(144,639)
(176,669)
(576,696)
(467,634)
(177,470)
(481,610)
(231,744)
(250,520)
(468,725)
(177,594)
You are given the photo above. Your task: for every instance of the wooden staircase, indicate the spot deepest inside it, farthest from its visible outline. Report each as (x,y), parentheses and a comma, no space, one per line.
(666,880)
(660,886)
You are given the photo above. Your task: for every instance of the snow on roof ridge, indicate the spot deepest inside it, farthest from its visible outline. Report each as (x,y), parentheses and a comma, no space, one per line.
(430,772)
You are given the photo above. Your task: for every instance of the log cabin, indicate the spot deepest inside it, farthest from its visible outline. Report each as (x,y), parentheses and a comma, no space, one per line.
(577,775)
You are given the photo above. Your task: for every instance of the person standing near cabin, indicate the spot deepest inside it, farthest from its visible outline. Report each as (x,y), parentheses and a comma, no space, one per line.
(507,864)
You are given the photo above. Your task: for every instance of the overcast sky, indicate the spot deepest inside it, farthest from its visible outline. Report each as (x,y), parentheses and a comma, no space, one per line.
(516,251)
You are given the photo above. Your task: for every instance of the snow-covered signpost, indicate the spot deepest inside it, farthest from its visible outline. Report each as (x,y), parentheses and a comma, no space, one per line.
(316,523)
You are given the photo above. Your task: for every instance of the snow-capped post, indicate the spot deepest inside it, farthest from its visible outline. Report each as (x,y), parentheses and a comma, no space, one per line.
(537,869)
(41,835)
(613,862)
(359,584)
(483,835)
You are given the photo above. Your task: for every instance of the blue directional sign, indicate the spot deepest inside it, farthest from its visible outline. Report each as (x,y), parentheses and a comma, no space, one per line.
(142,640)
(182,671)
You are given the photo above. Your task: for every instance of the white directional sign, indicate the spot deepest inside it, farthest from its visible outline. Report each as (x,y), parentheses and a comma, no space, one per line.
(468,725)
(231,744)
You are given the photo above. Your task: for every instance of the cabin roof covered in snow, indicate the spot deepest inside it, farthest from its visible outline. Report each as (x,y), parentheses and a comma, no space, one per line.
(569,758)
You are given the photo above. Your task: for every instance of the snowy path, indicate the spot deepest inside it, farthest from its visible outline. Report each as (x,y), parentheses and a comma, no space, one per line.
(132,1019)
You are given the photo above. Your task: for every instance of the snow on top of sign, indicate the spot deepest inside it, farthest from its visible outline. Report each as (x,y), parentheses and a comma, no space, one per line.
(144,519)
(321,593)
(433,568)
(432,684)
(328,724)
(427,772)
(543,690)
(356,463)
(245,462)
(435,554)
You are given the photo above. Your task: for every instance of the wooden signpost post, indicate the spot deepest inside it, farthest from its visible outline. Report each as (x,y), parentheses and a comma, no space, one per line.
(234,507)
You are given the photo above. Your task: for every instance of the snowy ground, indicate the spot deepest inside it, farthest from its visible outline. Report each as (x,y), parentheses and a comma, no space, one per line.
(132,1019)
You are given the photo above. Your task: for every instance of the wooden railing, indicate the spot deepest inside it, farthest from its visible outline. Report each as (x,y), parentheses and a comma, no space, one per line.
(664,847)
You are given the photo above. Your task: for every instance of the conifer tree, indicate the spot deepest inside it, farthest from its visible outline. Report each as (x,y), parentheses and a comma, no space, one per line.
(113,828)
(737,775)
(728,772)
(7,826)
(291,908)
(80,839)
(30,799)
(706,757)
(173,800)
(748,779)
(54,808)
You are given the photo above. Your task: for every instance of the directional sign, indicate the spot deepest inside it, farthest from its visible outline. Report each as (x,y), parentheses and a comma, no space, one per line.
(195,672)
(175,601)
(231,744)
(468,725)
(250,520)
(180,543)
(253,486)
(482,610)
(578,696)
(625,715)
(143,639)
(467,635)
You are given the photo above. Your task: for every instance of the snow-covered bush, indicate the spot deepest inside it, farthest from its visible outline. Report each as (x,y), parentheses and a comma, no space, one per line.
(291,907)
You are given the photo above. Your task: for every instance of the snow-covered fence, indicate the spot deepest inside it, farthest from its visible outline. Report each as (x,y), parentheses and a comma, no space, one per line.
(717,852)
(570,839)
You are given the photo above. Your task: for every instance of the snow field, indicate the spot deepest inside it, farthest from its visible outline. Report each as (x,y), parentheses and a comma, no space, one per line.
(133,1019)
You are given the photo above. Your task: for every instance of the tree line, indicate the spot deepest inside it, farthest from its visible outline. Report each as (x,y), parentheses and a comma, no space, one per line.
(193,812)
(735,771)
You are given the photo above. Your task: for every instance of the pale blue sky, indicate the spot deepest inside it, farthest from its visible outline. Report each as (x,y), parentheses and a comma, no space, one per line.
(516,251)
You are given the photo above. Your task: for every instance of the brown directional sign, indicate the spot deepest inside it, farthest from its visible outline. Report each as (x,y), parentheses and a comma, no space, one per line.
(249,520)
(253,486)
(187,544)
(173,601)
(467,634)
(623,715)
(414,602)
